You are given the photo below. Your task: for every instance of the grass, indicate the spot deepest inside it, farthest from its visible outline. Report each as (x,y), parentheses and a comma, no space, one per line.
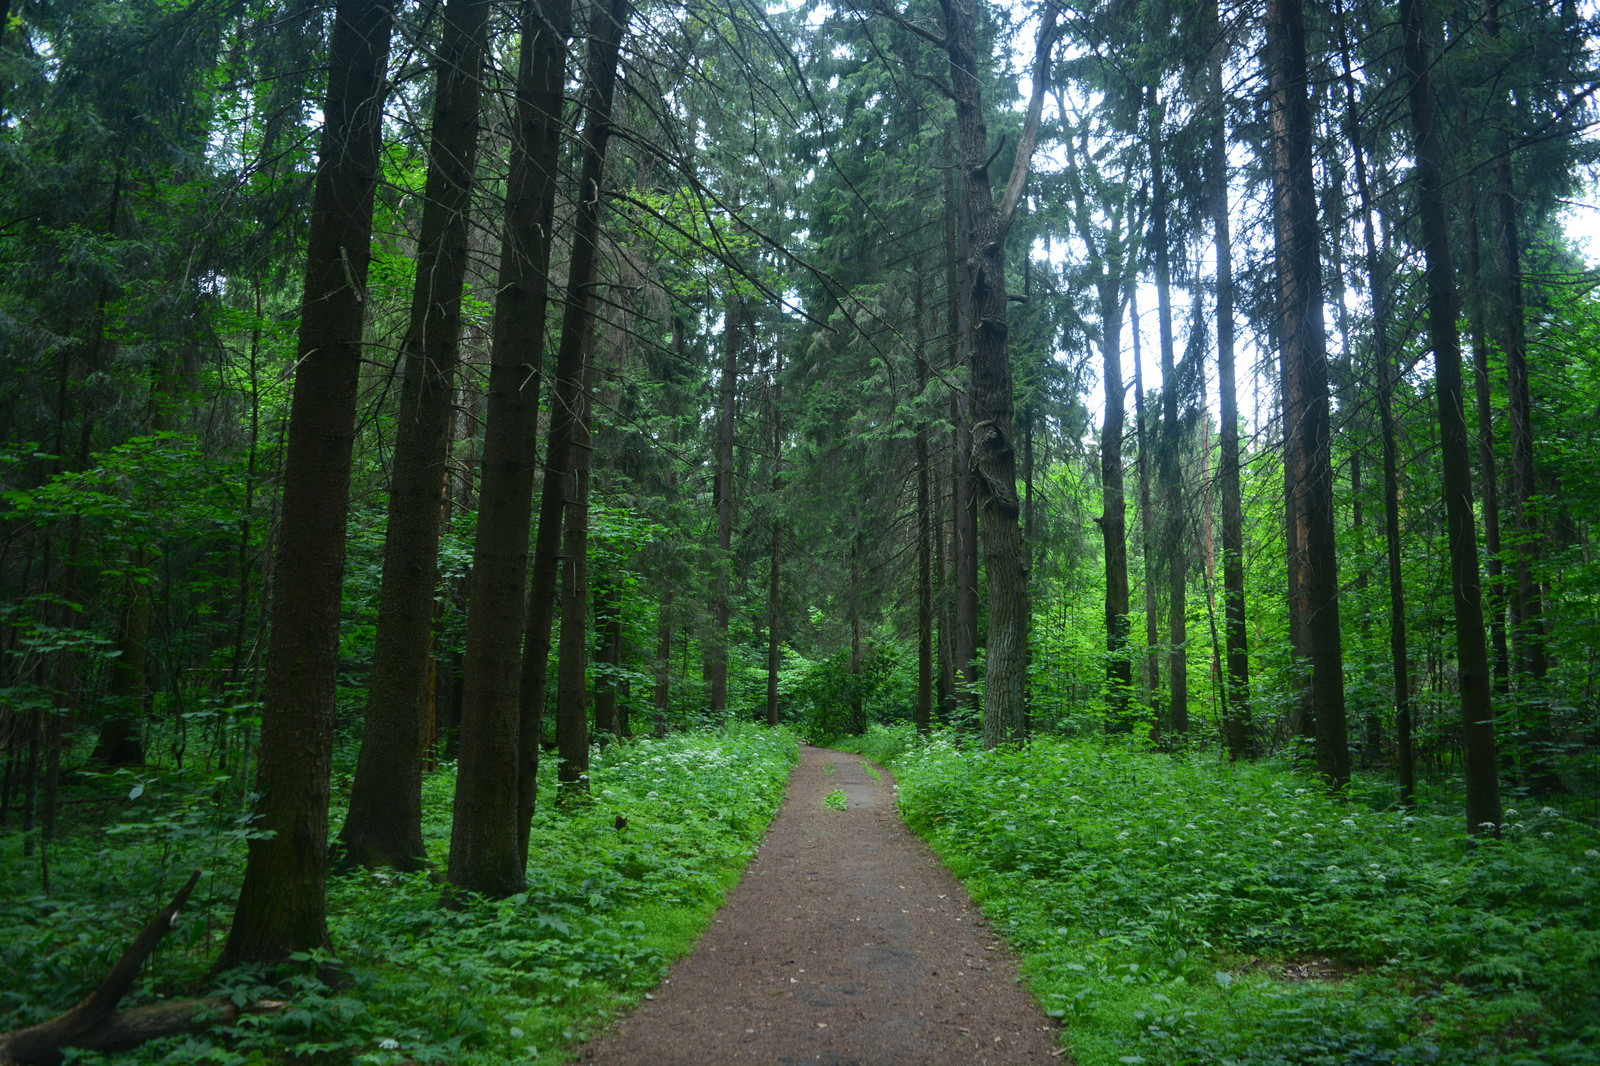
(836,800)
(1170,908)
(498,982)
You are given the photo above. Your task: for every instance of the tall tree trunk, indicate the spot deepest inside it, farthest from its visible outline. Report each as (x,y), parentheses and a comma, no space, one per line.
(1529,640)
(1477,711)
(922,714)
(1171,447)
(282,903)
(774,606)
(567,472)
(499,736)
(383,826)
(1113,520)
(1306,395)
(1147,533)
(1378,286)
(1236,688)
(964,527)
(1488,466)
(722,503)
(994,458)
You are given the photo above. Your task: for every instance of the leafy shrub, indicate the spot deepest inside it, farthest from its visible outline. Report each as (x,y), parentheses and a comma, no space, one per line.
(1159,902)
(607,906)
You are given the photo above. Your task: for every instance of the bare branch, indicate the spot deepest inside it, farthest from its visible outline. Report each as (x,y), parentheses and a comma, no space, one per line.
(1049,31)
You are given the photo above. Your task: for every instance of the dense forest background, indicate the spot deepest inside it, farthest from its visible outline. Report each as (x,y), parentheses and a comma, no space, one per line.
(464,383)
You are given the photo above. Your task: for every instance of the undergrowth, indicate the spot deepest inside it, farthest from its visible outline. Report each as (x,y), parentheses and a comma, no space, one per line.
(1170,909)
(496,982)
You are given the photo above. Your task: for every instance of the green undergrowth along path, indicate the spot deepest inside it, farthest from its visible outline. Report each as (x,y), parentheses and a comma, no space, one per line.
(497,982)
(1176,910)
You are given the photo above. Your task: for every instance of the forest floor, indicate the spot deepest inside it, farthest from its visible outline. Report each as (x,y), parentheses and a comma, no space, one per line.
(847,943)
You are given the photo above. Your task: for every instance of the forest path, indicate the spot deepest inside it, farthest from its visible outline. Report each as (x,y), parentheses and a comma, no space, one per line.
(846,943)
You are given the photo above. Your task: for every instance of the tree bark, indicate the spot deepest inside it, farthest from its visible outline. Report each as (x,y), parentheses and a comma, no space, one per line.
(722,503)
(1151,672)
(499,737)
(1477,711)
(86,1024)
(1378,286)
(1488,465)
(282,904)
(1170,456)
(565,502)
(1236,687)
(964,525)
(383,826)
(774,589)
(993,435)
(922,714)
(1306,396)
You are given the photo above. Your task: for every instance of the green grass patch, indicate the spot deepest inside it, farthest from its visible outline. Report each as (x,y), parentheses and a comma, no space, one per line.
(836,800)
(497,982)
(1177,910)
(882,744)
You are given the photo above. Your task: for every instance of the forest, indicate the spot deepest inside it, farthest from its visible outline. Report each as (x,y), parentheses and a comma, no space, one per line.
(453,451)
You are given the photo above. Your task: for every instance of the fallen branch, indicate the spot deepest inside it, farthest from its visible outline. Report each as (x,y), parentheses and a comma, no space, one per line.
(95,1024)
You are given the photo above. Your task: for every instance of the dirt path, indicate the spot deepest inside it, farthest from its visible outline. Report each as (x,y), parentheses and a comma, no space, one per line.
(846,944)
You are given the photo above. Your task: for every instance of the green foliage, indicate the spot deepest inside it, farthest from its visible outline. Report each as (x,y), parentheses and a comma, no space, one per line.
(1161,901)
(836,800)
(821,695)
(497,981)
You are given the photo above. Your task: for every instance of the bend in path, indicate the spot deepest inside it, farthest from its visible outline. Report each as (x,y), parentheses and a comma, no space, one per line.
(846,943)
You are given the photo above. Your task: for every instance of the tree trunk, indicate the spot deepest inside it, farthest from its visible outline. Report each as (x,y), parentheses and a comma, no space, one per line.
(1378,286)
(383,826)
(774,590)
(1170,456)
(1113,520)
(964,527)
(993,436)
(1488,466)
(1306,395)
(499,736)
(567,472)
(722,503)
(922,714)
(282,904)
(1236,688)
(1477,711)
(1151,674)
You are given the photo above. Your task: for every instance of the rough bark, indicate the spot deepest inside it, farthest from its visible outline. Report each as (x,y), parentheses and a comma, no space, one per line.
(722,502)
(94,1023)
(1151,672)
(1169,459)
(774,590)
(1472,659)
(964,523)
(383,825)
(1306,394)
(994,458)
(1113,519)
(282,905)
(499,735)
(565,497)
(1488,465)
(1236,687)
(922,713)
(1378,287)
